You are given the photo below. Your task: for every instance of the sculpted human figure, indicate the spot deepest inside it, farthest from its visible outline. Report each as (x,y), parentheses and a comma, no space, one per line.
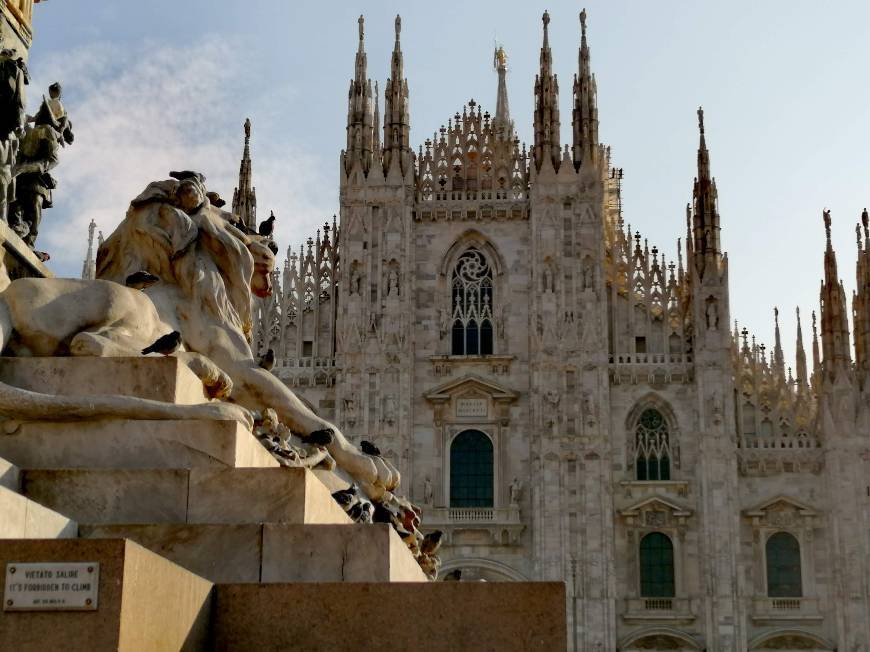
(13,79)
(207,270)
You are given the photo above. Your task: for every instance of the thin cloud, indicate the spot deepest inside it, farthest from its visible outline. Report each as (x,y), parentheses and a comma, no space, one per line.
(140,112)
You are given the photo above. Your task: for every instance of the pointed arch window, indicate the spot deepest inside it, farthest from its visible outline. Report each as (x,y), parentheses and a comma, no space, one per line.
(783,556)
(656,566)
(471,470)
(652,446)
(472,332)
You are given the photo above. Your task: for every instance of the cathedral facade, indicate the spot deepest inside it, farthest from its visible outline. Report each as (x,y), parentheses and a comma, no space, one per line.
(564,402)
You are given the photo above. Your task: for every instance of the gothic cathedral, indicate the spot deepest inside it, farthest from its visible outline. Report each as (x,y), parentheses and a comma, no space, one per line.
(567,404)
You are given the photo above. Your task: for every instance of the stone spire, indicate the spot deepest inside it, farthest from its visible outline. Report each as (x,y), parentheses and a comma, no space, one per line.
(817,357)
(585,115)
(861,299)
(359,112)
(245,195)
(546,125)
(89,266)
(705,225)
(502,123)
(397,120)
(376,123)
(835,325)
(800,355)
(778,359)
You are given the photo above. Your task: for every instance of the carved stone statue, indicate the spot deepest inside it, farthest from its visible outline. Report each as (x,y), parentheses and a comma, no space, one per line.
(428,497)
(515,489)
(712,313)
(588,274)
(13,79)
(207,270)
(392,283)
(355,279)
(37,154)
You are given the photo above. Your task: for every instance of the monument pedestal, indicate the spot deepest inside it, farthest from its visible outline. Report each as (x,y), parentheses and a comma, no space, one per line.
(180,514)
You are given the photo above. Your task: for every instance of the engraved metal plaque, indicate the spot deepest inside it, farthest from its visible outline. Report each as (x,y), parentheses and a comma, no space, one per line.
(471,407)
(65,586)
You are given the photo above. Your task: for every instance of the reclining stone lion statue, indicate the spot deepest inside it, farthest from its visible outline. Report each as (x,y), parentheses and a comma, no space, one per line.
(207,270)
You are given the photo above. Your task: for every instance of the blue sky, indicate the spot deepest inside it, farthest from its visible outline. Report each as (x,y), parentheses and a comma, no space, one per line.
(160,85)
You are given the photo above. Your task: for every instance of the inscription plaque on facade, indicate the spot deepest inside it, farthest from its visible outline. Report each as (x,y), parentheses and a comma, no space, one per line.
(471,407)
(63,586)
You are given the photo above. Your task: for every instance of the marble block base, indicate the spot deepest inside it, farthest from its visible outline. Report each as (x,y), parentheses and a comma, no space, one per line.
(191,496)
(133,444)
(145,602)
(276,552)
(157,378)
(436,616)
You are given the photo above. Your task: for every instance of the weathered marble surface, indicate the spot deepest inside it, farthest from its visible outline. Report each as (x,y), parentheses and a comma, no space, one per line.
(23,518)
(155,378)
(145,602)
(130,443)
(184,495)
(439,616)
(275,552)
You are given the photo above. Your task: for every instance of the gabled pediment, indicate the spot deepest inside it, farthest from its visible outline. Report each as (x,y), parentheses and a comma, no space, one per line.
(780,503)
(656,504)
(471,386)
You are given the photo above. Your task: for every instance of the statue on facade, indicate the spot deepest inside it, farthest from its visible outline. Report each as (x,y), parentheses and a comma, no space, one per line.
(515,490)
(427,491)
(13,78)
(208,270)
(38,154)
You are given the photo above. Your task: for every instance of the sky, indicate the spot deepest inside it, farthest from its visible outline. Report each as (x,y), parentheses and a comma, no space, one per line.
(160,85)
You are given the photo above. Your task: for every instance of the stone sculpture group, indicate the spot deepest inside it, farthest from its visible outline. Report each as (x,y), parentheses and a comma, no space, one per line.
(206,270)
(29,149)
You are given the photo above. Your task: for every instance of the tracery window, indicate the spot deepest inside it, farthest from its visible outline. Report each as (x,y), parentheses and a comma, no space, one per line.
(656,566)
(652,447)
(471,472)
(472,305)
(783,555)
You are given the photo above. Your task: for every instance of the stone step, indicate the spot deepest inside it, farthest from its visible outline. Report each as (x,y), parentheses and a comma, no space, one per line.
(9,475)
(437,616)
(276,552)
(22,518)
(160,378)
(133,444)
(144,602)
(149,496)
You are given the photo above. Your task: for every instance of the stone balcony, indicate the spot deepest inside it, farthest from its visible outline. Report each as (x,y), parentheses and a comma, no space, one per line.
(652,368)
(502,524)
(672,610)
(306,371)
(786,609)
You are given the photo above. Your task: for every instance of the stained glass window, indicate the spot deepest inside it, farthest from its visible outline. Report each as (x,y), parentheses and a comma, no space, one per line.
(472,305)
(656,566)
(471,475)
(783,566)
(652,447)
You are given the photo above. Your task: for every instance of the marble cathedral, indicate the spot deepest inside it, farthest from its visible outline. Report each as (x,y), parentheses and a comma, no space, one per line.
(567,403)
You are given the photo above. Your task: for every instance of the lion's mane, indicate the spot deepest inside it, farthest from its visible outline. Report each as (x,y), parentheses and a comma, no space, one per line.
(203,255)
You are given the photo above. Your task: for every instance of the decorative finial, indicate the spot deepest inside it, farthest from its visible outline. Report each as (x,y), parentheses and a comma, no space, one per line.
(814,323)
(776,316)
(865,220)
(826,216)
(546,18)
(247,128)
(701,119)
(361,22)
(398,25)
(583,21)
